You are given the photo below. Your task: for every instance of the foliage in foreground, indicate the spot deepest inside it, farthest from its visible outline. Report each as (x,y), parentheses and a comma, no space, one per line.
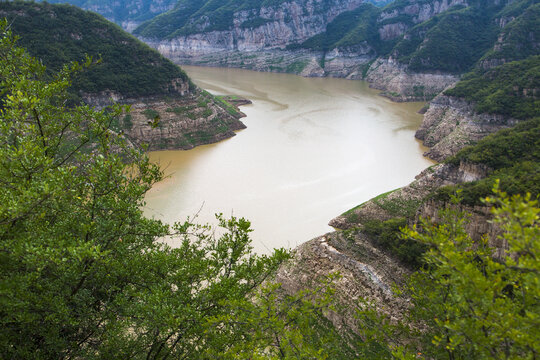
(469,304)
(83,274)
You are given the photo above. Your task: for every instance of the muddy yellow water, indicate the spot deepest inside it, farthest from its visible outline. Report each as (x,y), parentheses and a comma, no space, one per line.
(313,148)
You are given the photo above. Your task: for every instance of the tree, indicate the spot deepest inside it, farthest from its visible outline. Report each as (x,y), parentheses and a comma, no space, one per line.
(82,271)
(470,304)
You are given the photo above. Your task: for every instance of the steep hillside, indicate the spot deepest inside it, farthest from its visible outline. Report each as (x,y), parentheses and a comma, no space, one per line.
(58,34)
(483,102)
(243,25)
(129,72)
(410,49)
(483,33)
(127,13)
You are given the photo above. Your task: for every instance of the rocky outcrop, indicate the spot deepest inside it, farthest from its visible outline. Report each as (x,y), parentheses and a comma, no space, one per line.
(346,62)
(181,121)
(399,84)
(405,202)
(477,223)
(420,11)
(452,123)
(365,273)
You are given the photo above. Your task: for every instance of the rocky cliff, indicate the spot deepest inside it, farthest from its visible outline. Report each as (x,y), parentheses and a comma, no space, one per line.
(452,123)
(366,272)
(410,49)
(179,121)
(182,122)
(258,39)
(248,27)
(167,110)
(405,202)
(400,84)
(372,271)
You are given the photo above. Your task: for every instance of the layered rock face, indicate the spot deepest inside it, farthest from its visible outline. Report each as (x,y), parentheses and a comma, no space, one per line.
(400,84)
(410,197)
(178,122)
(343,62)
(263,47)
(390,19)
(365,273)
(290,22)
(452,123)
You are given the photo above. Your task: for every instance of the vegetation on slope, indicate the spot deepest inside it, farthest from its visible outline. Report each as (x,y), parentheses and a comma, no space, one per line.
(519,37)
(450,42)
(513,156)
(347,29)
(194,16)
(84,275)
(511,89)
(467,303)
(59,34)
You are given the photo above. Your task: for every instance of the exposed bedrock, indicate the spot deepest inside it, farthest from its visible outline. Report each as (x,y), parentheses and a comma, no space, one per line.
(400,84)
(451,123)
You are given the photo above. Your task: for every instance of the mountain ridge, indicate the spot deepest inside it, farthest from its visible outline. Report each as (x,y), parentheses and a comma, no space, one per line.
(167,110)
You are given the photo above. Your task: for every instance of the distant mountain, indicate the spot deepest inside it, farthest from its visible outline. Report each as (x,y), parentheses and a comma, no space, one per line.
(127,13)
(436,35)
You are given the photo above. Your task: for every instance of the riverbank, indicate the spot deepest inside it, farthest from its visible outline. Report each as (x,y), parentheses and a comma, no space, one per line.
(308,145)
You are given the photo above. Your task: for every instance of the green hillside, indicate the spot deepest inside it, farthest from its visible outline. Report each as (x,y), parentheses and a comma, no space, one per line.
(520,37)
(451,42)
(510,89)
(349,28)
(58,34)
(513,155)
(193,16)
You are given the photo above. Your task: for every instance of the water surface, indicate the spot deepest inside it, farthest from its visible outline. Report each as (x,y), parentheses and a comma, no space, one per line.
(313,148)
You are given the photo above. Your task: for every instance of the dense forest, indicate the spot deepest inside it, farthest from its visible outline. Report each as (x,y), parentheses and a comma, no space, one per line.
(127,66)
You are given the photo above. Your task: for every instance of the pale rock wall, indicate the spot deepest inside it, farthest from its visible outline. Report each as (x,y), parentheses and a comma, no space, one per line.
(365,273)
(399,84)
(425,183)
(291,22)
(419,12)
(452,123)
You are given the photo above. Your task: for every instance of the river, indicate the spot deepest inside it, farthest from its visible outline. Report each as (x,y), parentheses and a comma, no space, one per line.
(313,148)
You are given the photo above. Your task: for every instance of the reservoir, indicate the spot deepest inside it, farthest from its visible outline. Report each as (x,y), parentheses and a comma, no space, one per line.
(313,148)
